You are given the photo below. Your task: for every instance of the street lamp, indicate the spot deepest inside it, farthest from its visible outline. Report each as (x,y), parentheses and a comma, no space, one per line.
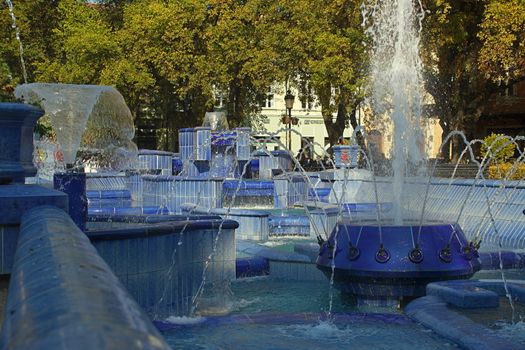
(289,100)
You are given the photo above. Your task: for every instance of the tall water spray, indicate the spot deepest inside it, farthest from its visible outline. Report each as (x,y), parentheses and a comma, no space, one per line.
(17,34)
(394,27)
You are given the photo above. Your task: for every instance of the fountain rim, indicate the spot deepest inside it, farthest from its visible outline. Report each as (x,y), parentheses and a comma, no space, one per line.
(16,109)
(387,223)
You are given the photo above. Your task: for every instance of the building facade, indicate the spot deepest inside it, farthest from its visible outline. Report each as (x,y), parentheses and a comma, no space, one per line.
(311,128)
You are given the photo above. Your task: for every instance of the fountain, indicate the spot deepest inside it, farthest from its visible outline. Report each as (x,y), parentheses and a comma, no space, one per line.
(95,116)
(397,258)
(382,240)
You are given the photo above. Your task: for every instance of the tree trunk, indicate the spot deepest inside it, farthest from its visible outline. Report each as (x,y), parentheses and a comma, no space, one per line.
(234,104)
(334,129)
(455,149)
(445,148)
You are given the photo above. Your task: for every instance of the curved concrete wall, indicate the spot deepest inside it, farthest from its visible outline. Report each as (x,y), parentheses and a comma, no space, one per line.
(62,295)
(446,199)
(162,263)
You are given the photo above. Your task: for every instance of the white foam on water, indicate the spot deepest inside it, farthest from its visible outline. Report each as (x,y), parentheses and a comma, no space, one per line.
(328,331)
(250,279)
(241,304)
(184,320)
(513,331)
(274,243)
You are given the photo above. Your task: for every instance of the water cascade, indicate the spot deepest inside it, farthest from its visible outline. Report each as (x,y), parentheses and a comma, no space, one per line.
(396,81)
(94,117)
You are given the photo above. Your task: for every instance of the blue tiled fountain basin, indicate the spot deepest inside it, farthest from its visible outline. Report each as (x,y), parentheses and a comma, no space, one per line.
(376,260)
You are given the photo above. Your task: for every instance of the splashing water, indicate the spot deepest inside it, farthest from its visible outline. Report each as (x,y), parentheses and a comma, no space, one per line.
(92,116)
(184,320)
(327,331)
(394,27)
(510,330)
(17,34)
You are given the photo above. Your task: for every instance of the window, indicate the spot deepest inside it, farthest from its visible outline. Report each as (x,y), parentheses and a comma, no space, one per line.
(509,89)
(307,100)
(268,101)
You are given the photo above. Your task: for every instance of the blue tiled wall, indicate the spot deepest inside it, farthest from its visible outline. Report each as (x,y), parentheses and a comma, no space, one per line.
(101,181)
(172,191)
(290,189)
(243,143)
(287,225)
(62,295)
(153,159)
(162,275)
(345,156)
(248,193)
(253,224)
(202,144)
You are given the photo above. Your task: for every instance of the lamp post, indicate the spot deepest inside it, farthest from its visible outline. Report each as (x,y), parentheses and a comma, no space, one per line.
(289,100)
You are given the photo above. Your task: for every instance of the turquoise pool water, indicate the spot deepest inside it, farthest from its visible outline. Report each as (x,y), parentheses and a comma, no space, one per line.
(270,314)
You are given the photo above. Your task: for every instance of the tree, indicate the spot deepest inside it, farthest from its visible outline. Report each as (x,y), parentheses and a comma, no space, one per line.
(498,147)
(450,52)
(164,64)
(82,46)
(338,64)
(36,20)
(320,49)
(502,56)
(240,48)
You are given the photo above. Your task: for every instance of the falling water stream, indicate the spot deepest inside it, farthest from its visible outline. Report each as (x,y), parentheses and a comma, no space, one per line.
(394,27)
(17,34)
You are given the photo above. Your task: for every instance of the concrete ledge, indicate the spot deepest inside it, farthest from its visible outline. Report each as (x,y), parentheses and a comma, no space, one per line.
(433,313)
(162,228)
(146,218)
(108,194)
(270,254)
(464,295)
(196,209)
(16,199)
(251,267)
(129,211)
(311,250)
(62,295)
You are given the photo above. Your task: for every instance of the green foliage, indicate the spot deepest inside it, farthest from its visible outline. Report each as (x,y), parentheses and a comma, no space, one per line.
(498,147)
(82,43)
(450,52)
(321,49)
(169,57)
(507,171)
(502,56)
(44,128)
(6,89)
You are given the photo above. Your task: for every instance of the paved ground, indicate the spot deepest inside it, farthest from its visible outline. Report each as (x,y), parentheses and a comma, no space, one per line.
(4,283)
